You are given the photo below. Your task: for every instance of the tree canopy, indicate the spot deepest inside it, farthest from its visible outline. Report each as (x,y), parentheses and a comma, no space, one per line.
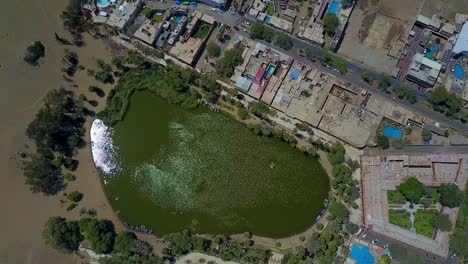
(62,235)
(283,41)
(450,195)
(232,58)
(258,30)
(412,189)
(330,23)
(180,242)
(125,242)
(383,141)
(100,234)
(442,222)
(445,102)
(34,52)
(213,49)
(339,211)
(337,154)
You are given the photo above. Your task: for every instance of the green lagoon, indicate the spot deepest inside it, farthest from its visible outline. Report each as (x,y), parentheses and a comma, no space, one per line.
(195,168)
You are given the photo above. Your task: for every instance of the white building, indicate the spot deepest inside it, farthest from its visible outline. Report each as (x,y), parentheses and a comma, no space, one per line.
(461,45)
(423,71)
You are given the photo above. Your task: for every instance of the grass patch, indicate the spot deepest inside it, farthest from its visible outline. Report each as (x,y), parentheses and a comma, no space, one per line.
(401,219)
(202,31)
(395,197)
(271,9)
(423,223)
(158,19)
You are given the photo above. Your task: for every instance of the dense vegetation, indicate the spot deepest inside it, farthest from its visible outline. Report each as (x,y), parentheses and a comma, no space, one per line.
(445,102)
(459,238)
(34,52)
(280,39)
(57,132)
(330,23)
(213,49)
(232,58)
(74,21)
(336,62)
(222,246)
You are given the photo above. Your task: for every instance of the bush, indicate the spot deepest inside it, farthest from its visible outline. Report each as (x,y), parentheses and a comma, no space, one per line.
(242,113)
(232,58)
(337,154)
(412,189)
(339,211)
(330,23)
(100,234)
(426,135)
(442,222)
(180,243)
(125,242)
(75,196)
(69,176)
(450,195)
(383,141)
(34,52)
(72,206)
(62,235)
(319,226)
(213,49)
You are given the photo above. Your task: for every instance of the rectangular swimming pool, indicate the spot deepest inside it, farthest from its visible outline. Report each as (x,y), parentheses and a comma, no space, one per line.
(334,7)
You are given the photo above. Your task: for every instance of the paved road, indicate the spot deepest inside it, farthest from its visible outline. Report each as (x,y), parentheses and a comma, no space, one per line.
(355,70)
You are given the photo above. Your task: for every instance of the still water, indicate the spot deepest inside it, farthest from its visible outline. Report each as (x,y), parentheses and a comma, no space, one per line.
(194,168)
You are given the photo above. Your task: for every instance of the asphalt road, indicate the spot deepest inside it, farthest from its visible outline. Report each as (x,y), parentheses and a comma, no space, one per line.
(353,76)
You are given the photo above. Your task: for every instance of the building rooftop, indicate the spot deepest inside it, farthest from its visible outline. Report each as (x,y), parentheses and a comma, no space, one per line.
(147,32)
(424,70)
(312,32)
(461,46)
(123,13)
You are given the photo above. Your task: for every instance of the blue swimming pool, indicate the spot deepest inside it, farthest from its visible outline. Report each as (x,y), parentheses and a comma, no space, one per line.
(267,19)
(103,2)
(458,71)
(432,50)
(334,7)
(392,132)
(362,255)
(271,69)
(178,19)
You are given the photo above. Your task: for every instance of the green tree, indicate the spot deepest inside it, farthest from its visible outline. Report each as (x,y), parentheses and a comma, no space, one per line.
(180,243)
(260,109)
(402,92)
(62,235)
(242,113)
(412,96)
(385,259)
(459,240)
(100,234)
(336,154)
(125,242)
(330,23)
(213,49)
(412,189)
(445,101)
(41,175)
(75,196)
(122,258)
(34,52)
(442,222)
(339,211)
(283,41)
(450,195)
(232,58)
(258,30)
(426,135)
(384,81)
(365,76)
(383,141)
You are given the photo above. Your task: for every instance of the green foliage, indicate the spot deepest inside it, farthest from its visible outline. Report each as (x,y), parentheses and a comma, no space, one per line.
(426,134)
(69,176)
(330,23)
(71,206)
(366,76)
(297,258)
(396,197)
(401,219)
(100,234)
(352,228)
(311,152)
(346,186)
(339,212)
(42,175)
(232,58)
(459,238)
(450,195)
(220,35)
(171,83)
(445,102)
(319,226)
(242,113)
(271,9)
(104,72)
(442,222)
(58,125)
(125,242)
(283,41)
(75,196)
(384,81)
(383,141)
(202,31)
(424,222)
(412,189)
(213,49)
(62,235)
(260,109)
(73,20)
(384,259)
(34,52)
(336,154)
(336,62)
(258,30)
(400,143)
(180,243)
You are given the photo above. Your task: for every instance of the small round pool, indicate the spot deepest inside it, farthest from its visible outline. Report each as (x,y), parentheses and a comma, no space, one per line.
(391,132)
(103,3)
(458,71)
(362,255)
